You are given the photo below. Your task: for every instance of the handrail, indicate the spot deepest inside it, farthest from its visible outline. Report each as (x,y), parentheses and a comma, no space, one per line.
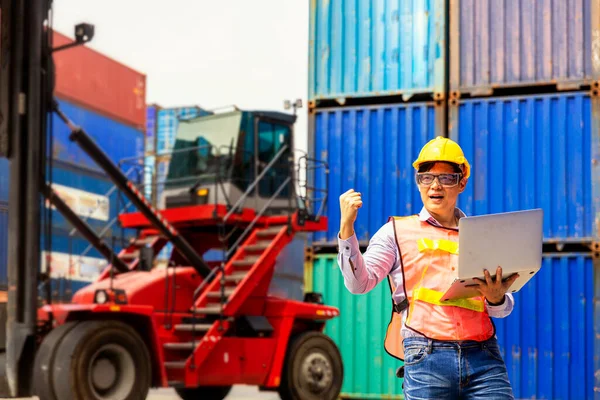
(253,184)
(257,217)
(303,183)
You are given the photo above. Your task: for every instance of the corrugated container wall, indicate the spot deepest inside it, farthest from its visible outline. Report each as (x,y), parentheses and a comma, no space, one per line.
(73,264)
(117,140)
(151,119)
(533,151)
(359,331)
(149,169)
(150,150)
(162,171)
(95,81)
(4,179)
(371,149)
(168,121)
(497,44)
(547,341)
(91,195)
(373,48)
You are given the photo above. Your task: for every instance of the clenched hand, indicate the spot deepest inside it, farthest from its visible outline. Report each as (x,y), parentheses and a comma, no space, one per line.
(350,202)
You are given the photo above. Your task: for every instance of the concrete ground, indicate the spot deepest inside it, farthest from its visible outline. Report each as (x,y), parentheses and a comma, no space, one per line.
(237,393)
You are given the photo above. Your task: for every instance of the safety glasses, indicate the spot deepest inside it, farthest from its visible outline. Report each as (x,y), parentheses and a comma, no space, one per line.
(446,180)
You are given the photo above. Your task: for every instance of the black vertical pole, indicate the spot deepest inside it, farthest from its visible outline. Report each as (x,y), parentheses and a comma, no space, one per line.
(27,109)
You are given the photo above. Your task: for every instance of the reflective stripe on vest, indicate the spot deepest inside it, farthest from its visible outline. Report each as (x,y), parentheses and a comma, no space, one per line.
(435,297)
(437,244)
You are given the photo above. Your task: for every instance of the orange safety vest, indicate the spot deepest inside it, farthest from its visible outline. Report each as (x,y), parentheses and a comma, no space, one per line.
(428,258)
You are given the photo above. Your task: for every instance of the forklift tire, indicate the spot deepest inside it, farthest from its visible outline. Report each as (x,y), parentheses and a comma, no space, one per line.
(102,360)
(44,359)
(313,369)
(204,392)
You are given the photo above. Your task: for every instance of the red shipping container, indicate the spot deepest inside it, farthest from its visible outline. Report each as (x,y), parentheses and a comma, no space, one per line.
(95,81)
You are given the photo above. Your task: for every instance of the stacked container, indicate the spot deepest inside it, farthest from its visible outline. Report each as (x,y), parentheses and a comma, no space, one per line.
(516,84)
(107,99)
(376,96)
(524,106)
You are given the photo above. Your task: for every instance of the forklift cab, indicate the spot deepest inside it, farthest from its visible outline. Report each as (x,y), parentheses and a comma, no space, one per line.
(216,158)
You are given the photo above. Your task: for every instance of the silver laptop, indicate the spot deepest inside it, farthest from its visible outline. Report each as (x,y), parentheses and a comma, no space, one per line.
(511,240)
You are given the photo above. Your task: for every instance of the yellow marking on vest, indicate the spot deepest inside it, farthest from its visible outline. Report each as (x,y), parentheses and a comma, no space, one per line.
(405,217)
(437,244)
(435,297)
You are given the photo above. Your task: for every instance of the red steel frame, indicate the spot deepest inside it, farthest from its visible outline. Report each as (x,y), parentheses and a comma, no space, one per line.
(217,359)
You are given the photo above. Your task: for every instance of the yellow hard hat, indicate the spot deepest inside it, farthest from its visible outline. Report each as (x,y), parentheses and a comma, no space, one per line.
(443,149)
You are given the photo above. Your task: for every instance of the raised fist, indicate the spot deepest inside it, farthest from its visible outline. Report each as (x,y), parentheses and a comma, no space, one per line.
(350,202)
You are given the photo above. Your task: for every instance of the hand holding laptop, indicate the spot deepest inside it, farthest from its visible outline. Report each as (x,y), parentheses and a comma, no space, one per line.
(494,289)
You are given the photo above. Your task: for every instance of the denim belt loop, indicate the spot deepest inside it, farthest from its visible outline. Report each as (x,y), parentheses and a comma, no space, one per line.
(429,346)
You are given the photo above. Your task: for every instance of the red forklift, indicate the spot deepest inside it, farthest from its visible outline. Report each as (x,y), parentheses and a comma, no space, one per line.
(197,326)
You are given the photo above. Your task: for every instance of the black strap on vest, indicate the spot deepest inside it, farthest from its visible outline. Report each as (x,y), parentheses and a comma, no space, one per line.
(403,305)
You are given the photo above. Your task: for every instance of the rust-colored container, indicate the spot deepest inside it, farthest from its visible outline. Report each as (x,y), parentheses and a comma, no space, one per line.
(96,82)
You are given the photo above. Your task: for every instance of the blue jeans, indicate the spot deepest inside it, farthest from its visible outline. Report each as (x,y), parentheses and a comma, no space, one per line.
(454,370)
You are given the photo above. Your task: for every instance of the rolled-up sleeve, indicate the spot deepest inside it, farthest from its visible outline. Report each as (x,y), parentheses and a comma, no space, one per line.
(503,310)
(362,272)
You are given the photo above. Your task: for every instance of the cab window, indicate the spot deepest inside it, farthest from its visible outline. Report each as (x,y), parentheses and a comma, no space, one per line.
(271,138)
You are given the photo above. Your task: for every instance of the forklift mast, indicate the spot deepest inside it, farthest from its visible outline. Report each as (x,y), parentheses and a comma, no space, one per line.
(24,98)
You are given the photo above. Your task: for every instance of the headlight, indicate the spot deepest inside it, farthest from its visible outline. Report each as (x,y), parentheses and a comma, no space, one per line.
(101,297)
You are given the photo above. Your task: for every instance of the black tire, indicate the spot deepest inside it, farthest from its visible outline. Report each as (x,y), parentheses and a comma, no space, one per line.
(102,360)
(313,369)
(204,393)
(44,359)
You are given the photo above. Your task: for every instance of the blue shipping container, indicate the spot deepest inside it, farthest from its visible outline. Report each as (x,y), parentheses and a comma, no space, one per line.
(94,184)
(548,341)
(376,47)
(4,179)
(533,151)
(149,169)
(62,289)
(151,112)
(61,243)
(118,141)
(75,251)
(522,42)
(168,121)
(371,149)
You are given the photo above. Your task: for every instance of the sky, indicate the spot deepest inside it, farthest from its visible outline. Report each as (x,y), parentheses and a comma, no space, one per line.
(251,53)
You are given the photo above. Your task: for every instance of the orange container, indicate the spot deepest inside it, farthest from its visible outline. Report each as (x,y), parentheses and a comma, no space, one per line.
(99,83)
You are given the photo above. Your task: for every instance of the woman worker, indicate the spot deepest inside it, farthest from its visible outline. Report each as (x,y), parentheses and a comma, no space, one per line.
(449,348)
